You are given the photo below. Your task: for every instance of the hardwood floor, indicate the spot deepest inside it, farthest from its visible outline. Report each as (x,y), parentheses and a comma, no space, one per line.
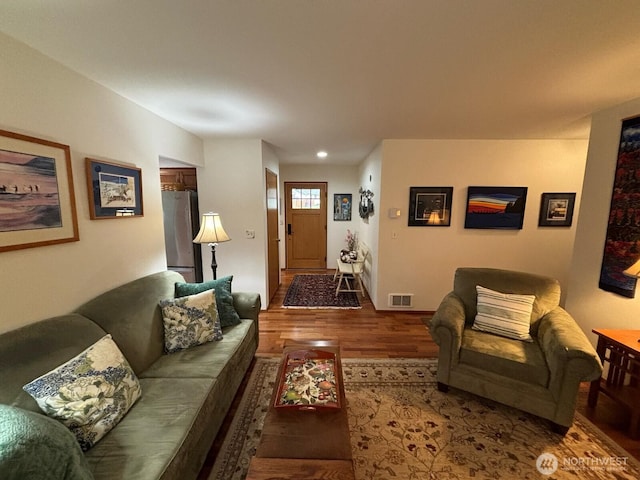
(361,333)
(384,334)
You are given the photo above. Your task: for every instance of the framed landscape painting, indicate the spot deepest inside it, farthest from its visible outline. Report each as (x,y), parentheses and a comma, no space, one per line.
(115,190)
(495,207)
(37,201)
(430,206)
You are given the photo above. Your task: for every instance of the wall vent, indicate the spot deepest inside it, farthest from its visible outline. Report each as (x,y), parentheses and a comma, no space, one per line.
(401,300)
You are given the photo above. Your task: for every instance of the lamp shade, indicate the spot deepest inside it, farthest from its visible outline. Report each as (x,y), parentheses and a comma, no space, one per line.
(211,230)
(633,270)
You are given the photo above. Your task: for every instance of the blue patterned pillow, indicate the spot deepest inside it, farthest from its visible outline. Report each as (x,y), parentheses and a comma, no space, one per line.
(90,393)
(190,321)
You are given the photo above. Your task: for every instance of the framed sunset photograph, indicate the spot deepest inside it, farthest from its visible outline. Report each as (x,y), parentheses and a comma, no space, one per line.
(495,207)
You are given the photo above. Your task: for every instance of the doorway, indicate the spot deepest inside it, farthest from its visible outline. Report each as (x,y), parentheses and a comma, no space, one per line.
(181,222)
(306,224)
(273,240)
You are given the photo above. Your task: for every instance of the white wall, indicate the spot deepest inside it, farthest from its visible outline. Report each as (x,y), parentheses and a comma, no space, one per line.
(370,173)
(231,183)
(43,99)
(591,306)
(422,260)
(340,179)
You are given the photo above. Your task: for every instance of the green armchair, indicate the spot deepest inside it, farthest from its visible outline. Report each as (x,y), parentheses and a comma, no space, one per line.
(541,376)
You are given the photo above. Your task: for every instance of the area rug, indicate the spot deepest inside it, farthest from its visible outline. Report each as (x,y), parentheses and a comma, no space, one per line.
(318,291)
(402,427)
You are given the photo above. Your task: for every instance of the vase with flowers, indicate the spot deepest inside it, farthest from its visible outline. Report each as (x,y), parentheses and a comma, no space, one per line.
(350,254)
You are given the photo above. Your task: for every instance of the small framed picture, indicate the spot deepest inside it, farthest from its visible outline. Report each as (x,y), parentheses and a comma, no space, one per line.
(115,190)
(556,209)
(430,206)
(342,205)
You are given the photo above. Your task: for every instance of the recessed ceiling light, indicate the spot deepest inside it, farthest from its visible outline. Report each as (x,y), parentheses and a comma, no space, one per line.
(322,154)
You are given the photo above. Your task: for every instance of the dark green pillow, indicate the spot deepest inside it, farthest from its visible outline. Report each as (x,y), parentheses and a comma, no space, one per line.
(35,446)
(224,300)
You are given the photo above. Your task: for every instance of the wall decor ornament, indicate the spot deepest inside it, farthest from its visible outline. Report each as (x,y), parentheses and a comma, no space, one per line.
(556,209)
(115,190)
(37,200)
(366,203)
(430,206)
(622,242)
(342,204)
(495,207)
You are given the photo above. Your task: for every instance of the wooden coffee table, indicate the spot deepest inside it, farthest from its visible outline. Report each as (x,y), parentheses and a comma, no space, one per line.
(298,444)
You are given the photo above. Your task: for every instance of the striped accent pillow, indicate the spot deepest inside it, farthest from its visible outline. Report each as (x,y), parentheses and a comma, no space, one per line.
(505,314)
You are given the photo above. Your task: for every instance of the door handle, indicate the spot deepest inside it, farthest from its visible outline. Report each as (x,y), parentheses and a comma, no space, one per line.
(288,229)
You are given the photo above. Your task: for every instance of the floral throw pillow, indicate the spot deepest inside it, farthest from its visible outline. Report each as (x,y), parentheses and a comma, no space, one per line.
(190,321)
(90,393)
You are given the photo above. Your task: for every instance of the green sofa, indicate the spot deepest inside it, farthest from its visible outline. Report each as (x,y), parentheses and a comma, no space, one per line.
(541,377)
(185,395)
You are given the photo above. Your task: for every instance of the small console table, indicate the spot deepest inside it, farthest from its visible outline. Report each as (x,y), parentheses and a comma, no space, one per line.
(620,351)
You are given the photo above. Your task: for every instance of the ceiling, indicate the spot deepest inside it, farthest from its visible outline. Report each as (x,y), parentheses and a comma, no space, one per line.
(341,75)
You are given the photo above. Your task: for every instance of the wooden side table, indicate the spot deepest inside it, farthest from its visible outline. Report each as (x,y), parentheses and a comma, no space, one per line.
(620,351)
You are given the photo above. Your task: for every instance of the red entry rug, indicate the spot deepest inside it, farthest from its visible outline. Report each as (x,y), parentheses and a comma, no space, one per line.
(318,291)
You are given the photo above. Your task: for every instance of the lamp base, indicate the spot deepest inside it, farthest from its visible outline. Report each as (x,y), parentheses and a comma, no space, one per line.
(214,265)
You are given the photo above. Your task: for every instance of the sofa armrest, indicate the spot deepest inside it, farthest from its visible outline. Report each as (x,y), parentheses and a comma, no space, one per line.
(448,321)
(569,354)
(446,328)
(247,304)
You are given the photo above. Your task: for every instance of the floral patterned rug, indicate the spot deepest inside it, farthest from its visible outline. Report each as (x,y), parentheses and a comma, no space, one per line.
(402,427)
(318,291)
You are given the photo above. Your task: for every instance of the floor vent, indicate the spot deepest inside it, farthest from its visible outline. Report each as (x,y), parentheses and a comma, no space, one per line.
(401,300)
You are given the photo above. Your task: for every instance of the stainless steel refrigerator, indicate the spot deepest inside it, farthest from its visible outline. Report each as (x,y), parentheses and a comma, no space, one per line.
(181,224)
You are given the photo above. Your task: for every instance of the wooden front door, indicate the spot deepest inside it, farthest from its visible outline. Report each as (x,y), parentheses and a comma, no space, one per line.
(306,227)
(273,246)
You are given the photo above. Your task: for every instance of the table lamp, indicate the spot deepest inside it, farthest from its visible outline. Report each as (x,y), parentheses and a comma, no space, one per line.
(211,232)
(633,270)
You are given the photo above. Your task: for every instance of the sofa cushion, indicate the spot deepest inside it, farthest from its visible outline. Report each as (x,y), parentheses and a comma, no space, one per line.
(224,299)
(505,314)
(131,314)
(190,321)
(545,289)
(35,446)
(152,434)
(523,361)
(208,360)
(90,393)
(37,348)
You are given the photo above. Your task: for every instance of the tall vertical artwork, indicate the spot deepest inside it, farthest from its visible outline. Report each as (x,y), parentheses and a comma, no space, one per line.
(622,244)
